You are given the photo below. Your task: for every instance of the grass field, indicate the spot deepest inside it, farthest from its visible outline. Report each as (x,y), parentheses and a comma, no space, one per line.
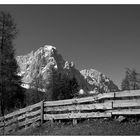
(94,127)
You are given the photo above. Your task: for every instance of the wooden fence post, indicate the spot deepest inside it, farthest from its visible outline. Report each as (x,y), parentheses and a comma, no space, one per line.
(112,104)
(15,128)
(26,119)
(42,112)
(59,121)
(74,121)
(3,125)
(52,122)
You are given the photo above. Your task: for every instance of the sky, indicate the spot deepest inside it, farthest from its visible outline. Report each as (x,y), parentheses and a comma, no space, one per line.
(102,37)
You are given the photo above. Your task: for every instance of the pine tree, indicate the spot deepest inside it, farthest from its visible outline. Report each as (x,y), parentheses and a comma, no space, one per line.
(130,82)
(133,79)
(74,87)
(125,85)
(63,86)
(9,80)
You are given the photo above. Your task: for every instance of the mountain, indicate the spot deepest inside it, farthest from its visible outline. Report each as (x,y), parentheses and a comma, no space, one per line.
(99,82)
(39,64)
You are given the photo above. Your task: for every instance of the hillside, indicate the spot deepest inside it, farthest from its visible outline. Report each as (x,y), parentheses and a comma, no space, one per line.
(94,127)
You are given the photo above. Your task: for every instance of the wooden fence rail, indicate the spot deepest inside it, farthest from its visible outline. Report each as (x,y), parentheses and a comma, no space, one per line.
(101,105)
(76,115)
(20,118)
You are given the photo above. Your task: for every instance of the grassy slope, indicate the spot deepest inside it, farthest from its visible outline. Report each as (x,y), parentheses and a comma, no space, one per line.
(91,127)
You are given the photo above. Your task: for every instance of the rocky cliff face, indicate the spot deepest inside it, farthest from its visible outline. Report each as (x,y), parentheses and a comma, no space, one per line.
(98,81)
(40,64)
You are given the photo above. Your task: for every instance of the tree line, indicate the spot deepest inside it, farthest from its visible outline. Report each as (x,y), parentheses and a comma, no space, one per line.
(62,86)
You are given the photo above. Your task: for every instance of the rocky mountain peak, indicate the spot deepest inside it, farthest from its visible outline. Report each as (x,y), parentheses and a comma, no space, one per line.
(99,80)
(47,50)
(40,64)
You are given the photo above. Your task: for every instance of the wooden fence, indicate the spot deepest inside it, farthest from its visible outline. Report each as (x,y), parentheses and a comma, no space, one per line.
(20,119)
(101,105)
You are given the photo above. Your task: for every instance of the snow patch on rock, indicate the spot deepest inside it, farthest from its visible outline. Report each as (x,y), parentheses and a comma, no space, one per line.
(49,47)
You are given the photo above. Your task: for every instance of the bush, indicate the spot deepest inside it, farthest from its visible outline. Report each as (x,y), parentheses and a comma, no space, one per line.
(33,96)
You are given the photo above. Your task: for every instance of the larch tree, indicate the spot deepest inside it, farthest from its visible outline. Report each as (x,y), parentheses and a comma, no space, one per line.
(10,89)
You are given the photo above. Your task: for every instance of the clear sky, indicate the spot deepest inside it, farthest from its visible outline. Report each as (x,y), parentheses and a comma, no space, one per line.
(103,37)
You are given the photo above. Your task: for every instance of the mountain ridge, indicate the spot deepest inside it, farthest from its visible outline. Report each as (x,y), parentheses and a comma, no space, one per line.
(40,64)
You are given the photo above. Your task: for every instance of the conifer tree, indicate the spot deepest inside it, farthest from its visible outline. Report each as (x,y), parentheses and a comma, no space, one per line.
(10,89)
(125,85)
(130,82)
(134,81)
(63,86)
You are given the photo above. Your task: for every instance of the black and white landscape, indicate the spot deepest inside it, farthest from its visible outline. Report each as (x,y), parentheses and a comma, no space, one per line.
(68,67)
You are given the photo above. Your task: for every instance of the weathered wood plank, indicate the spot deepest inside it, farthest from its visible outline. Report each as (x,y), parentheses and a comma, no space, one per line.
(76,115)
(42,112)
(79,100)
(129,93)
(1,124)
(10,128)
(1,119)
(94,106)
(1,131)
(20,111)
(32,120)
(19,124)
(105,95)
(125,112)
(13,120)
(31,114)
(126,103)
(67,102)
